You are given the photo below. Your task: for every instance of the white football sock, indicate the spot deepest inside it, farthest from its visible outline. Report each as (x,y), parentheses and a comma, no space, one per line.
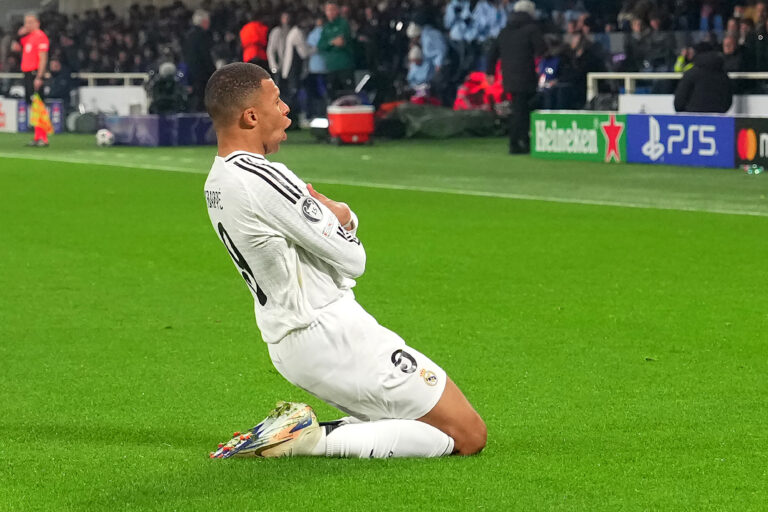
(383,439)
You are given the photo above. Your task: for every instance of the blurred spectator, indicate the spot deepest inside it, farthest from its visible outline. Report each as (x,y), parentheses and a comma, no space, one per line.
(684,61)
(462,30)
(419,70)
(705,87)
(626,15)
(636,47)
(485,17)
(761,48)
(578,59)
(276,53)
(166,92)
(732,54)
(5,47)
(253,38)
(67,53)
(760,13)
(151,34)
(548,70)
(292,71)
(316,94)
(661,45)
(371,38)
(518,45)
(60,84)
(198,46)
(748,43)
(335,47)
(432,53)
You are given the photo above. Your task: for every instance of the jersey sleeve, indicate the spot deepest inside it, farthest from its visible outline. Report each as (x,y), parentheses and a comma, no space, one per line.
(42,43)
(282,202)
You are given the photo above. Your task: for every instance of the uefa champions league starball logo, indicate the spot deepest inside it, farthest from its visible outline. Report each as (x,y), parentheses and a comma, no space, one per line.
(311,210)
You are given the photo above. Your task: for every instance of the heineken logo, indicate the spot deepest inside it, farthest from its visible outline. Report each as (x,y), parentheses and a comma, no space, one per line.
(551,138)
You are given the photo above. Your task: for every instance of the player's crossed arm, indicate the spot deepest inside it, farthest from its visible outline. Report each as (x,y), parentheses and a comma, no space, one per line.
(301,214)
(343,213)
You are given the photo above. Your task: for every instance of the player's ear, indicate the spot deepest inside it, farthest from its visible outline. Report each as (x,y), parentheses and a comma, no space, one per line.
(250,117)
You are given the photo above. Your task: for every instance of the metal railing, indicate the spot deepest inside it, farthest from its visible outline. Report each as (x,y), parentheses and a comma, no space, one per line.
(91,78)
(630,79)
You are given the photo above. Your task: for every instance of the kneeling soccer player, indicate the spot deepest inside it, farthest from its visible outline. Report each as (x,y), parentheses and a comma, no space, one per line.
(298,253)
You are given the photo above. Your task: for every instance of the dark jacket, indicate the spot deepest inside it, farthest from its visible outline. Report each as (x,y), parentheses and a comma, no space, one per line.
(636,49)
(661,50)
(734,61)
(518,45)
(705,87)
(574,67)
(198,44)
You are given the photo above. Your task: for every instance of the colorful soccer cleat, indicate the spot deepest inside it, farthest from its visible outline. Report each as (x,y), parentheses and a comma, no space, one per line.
(290,429)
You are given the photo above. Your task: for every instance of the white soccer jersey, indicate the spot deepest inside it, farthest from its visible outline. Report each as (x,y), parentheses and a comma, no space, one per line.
(291,250)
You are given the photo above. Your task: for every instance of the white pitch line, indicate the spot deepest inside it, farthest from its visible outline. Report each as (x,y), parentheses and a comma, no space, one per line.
(549,199)
(388,186)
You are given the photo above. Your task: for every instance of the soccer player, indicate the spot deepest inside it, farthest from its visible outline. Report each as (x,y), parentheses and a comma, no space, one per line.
(34,60)
(299,254)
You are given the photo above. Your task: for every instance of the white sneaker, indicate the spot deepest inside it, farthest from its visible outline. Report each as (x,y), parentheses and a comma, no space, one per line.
(290,429)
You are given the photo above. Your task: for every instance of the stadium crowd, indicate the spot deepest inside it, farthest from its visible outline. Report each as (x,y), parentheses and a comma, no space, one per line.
(419,49)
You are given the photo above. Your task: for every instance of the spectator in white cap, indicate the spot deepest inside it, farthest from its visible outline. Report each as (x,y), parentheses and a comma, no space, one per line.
(432,46)
(525,6)
(419,71)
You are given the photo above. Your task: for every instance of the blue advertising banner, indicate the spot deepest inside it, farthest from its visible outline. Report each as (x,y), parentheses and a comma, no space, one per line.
(195,129)
(701,141)
(167,130)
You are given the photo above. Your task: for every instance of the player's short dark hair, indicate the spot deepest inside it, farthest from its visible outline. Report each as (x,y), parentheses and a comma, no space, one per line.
(230,88)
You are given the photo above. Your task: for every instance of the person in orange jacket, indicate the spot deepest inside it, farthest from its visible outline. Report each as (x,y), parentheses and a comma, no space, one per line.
(253,38)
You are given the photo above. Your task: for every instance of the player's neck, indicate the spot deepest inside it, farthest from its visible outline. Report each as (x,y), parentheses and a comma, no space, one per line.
(230,141)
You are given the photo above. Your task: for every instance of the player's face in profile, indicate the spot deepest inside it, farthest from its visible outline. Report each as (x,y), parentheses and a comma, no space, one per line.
(273,116)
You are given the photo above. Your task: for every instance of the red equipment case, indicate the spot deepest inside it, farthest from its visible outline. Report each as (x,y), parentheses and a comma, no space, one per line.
(351,125)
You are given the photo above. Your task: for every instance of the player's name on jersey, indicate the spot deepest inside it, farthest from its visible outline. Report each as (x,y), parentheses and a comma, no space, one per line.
(213,198)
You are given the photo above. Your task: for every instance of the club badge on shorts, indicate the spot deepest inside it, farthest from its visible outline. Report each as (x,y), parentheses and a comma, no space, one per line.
(429,377)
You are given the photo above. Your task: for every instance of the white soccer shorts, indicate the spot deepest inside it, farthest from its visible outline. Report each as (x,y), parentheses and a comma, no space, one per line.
(348,360)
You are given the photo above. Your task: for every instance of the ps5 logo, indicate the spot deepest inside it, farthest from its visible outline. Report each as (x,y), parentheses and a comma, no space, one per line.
(653,149)
(684,140)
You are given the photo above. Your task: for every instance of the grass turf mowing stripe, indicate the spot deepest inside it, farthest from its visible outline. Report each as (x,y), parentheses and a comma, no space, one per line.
(416,188)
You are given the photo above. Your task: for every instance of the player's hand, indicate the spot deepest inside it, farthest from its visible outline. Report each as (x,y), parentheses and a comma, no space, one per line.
(15,47)
(338,41)
(38,83)
(340,210)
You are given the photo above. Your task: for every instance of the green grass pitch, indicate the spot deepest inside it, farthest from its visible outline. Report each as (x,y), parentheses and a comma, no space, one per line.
(608,322)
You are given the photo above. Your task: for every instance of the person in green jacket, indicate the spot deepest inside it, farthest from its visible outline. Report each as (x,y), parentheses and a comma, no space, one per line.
(335,46)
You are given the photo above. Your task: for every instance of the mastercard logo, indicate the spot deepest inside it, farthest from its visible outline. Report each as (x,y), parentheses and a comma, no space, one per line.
(746,144)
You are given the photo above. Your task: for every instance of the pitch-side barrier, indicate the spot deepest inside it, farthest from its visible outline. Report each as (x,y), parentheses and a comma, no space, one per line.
(710,140)
(119,93)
